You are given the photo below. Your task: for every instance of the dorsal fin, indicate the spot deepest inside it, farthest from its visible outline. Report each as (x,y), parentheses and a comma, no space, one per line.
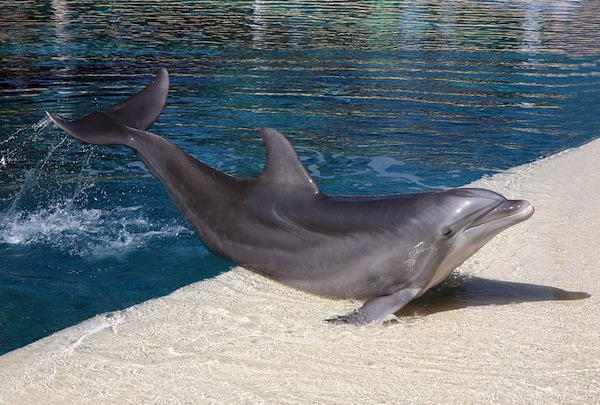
(283,167)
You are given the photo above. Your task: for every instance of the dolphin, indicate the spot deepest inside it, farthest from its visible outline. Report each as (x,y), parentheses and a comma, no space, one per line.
(386,249)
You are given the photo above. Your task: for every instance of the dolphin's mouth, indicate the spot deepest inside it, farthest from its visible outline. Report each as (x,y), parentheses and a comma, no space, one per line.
(511,210)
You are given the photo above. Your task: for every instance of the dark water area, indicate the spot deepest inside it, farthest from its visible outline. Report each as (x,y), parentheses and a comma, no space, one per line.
(377,97)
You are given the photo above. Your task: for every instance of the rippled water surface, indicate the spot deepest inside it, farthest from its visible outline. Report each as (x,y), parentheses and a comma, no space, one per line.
(378,97)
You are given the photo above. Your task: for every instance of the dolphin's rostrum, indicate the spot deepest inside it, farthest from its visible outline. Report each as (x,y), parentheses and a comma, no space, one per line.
(385,249)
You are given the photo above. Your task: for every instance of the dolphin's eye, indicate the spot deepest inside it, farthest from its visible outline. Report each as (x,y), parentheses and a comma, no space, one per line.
(446,231)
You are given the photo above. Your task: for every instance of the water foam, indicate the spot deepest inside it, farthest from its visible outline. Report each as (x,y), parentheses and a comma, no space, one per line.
(87,232)
(44,212)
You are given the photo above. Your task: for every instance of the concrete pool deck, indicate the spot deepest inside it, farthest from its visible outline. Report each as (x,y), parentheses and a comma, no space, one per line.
(525,328)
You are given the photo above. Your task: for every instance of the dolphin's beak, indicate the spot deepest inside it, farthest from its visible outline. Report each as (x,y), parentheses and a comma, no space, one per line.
(513,210)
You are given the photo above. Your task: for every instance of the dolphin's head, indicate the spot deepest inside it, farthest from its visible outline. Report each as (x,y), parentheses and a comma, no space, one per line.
(469,218)
(477,215)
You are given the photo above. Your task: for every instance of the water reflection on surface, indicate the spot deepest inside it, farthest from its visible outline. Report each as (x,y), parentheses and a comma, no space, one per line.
(463,87)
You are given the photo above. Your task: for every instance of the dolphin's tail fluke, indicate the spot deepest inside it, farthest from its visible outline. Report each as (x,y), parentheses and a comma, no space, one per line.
(141,110)
(97,129)
(116,126)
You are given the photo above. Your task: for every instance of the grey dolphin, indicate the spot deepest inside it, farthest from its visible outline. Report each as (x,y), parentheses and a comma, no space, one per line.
(384,249)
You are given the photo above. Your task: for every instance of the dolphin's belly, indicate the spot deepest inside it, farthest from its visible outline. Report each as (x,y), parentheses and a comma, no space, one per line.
(342,257)
(341,270)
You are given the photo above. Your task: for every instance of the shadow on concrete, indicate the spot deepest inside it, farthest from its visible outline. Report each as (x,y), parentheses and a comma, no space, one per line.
(476,292)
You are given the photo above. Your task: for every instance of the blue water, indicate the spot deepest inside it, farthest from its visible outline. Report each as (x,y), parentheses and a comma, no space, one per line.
(378,97)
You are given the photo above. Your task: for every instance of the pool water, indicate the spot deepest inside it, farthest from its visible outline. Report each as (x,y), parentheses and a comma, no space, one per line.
(377,97)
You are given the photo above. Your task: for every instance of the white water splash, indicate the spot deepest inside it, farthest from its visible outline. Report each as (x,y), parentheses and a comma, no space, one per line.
(46,215)
(87,232)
